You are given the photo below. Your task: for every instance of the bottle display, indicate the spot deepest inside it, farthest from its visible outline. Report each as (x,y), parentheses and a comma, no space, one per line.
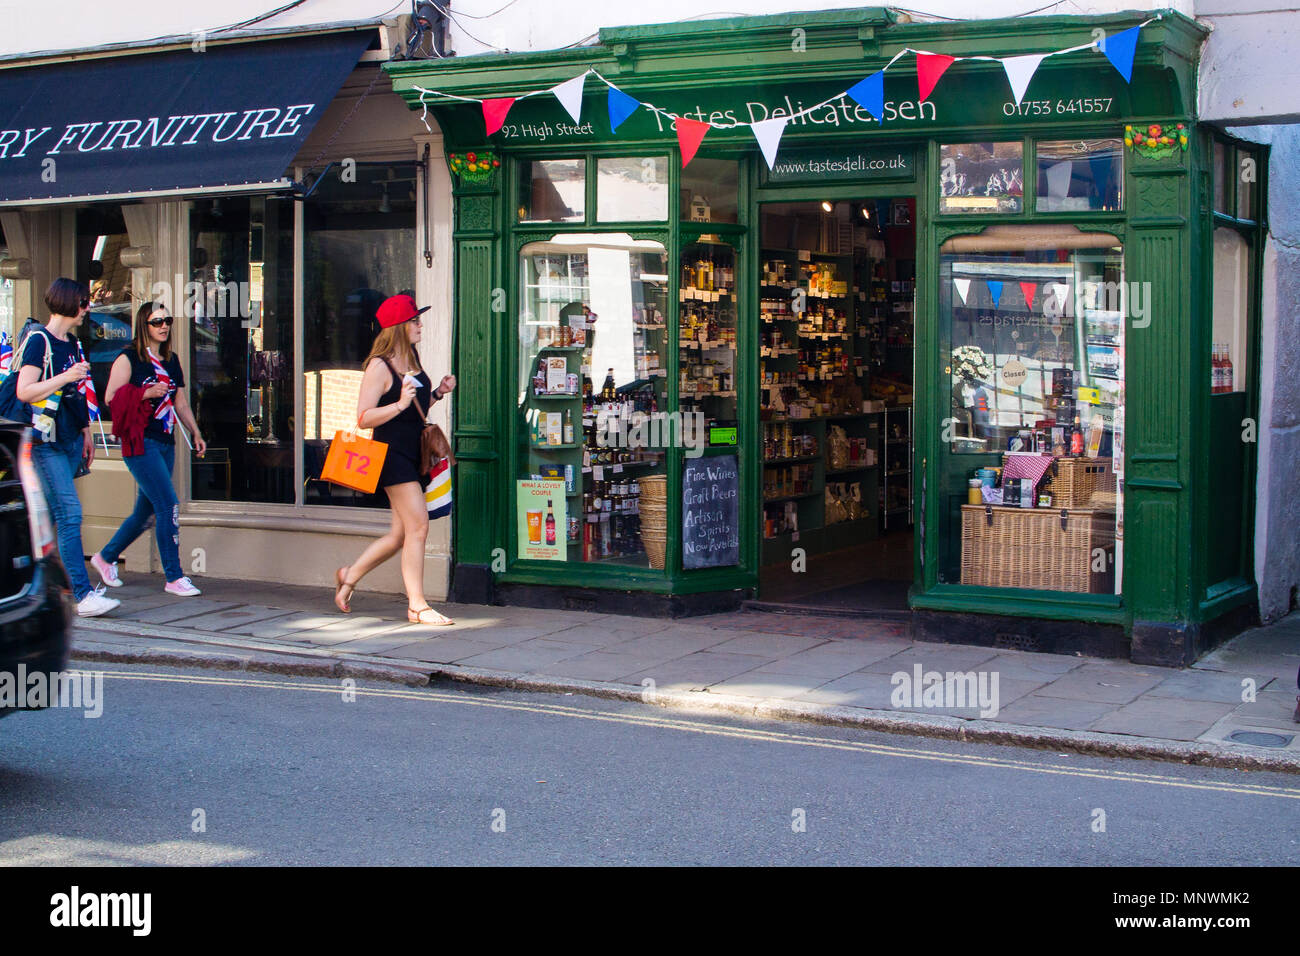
(590,438)
(707,335)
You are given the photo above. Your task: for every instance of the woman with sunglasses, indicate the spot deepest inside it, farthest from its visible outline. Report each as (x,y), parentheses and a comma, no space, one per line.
(395,397)
(150,364)
(52,371)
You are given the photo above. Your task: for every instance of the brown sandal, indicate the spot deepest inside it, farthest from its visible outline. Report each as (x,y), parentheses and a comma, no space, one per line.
(418,617)
(344,605)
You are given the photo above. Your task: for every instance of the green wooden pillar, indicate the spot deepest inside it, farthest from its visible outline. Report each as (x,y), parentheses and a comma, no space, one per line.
(1159,408)
(480,344)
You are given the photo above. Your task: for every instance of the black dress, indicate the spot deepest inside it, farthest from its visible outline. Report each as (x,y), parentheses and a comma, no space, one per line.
(402,432)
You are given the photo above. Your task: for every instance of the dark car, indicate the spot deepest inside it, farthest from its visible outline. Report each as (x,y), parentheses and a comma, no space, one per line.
(36,606)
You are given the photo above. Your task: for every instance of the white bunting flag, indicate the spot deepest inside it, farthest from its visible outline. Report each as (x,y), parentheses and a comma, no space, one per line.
(963,286)
(1020,70)
(768,133)
(1059,291)
(569,93)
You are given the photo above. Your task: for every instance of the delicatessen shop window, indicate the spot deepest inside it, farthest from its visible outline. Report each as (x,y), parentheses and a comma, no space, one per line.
(592,387)
(1033,327)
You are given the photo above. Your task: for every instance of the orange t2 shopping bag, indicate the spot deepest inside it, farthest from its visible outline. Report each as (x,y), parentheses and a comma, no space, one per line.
(354,462)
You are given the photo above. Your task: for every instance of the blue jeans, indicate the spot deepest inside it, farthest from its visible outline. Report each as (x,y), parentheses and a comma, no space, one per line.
(56,462)
(156,499)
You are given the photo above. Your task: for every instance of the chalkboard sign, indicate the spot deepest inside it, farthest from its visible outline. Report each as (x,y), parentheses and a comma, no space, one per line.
(711,512)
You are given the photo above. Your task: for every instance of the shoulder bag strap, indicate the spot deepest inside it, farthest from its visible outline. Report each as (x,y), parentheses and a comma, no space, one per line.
(47,370)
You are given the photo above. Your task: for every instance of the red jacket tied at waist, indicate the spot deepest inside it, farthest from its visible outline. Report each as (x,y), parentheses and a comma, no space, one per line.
(131,413)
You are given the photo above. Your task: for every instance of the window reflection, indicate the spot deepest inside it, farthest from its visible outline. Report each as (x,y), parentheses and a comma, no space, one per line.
(553,190)
(632,189)
(1079,175)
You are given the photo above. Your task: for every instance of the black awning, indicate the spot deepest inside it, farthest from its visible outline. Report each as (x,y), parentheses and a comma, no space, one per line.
(166,123)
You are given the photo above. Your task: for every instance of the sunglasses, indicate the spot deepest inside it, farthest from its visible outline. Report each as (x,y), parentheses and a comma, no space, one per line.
(159,323)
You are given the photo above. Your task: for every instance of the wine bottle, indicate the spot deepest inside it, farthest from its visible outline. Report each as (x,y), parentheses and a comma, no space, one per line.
(568,426)
(609,392)
(1076,439)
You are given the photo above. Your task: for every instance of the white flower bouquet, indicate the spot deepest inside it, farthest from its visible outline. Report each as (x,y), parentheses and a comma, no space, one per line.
(970,364)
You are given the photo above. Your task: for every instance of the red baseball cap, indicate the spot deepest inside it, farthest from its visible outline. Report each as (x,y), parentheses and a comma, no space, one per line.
(396,310)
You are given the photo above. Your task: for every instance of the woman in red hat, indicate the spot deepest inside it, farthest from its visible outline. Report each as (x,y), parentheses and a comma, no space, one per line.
(396,394)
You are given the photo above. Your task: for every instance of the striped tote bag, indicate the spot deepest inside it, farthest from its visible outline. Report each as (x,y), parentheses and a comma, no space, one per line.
(437,493)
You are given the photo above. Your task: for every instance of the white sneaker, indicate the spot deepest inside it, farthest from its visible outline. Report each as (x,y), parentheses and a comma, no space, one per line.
(182,587)
(95,604)
(106,571)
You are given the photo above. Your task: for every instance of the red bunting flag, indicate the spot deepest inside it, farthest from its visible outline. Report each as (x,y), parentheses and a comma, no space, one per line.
(929,67)
(690,133)
(1030,289)
(494,112)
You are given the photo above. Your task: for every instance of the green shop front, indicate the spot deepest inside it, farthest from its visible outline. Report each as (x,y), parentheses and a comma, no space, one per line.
(953,347)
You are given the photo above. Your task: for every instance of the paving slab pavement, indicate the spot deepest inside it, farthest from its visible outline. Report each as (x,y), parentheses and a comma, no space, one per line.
(842,670)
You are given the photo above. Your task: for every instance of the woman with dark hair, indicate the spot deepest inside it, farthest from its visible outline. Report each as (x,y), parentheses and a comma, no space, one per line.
(53,370)
(396,394)
(151,367)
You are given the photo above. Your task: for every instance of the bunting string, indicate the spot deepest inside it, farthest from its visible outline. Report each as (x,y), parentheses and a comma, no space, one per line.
(869,92)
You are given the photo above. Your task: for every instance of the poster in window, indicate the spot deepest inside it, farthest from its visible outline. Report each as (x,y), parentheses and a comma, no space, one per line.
(981,177)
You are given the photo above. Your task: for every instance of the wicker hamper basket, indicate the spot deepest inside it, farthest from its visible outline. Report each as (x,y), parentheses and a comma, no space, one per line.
(1049,549)
(1080,483)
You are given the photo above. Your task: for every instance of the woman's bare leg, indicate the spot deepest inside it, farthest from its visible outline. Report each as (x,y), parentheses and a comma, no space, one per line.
(411,509)
(379,550)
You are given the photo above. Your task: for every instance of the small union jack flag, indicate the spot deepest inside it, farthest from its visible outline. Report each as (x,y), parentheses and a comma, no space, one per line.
(6,353)
(166,411)
(87,389)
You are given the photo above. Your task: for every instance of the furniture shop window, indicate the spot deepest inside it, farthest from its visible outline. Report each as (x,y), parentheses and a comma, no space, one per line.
(553,190)
(981,177)
(1079,175)
(632,189)
(1032,326)
(359,248)
(592,387)
(242,348)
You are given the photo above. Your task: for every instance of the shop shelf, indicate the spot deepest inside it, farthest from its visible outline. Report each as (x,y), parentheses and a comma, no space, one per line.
(806,494)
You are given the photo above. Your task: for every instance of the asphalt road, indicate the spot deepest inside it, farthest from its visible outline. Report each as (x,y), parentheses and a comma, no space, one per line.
(286,771)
